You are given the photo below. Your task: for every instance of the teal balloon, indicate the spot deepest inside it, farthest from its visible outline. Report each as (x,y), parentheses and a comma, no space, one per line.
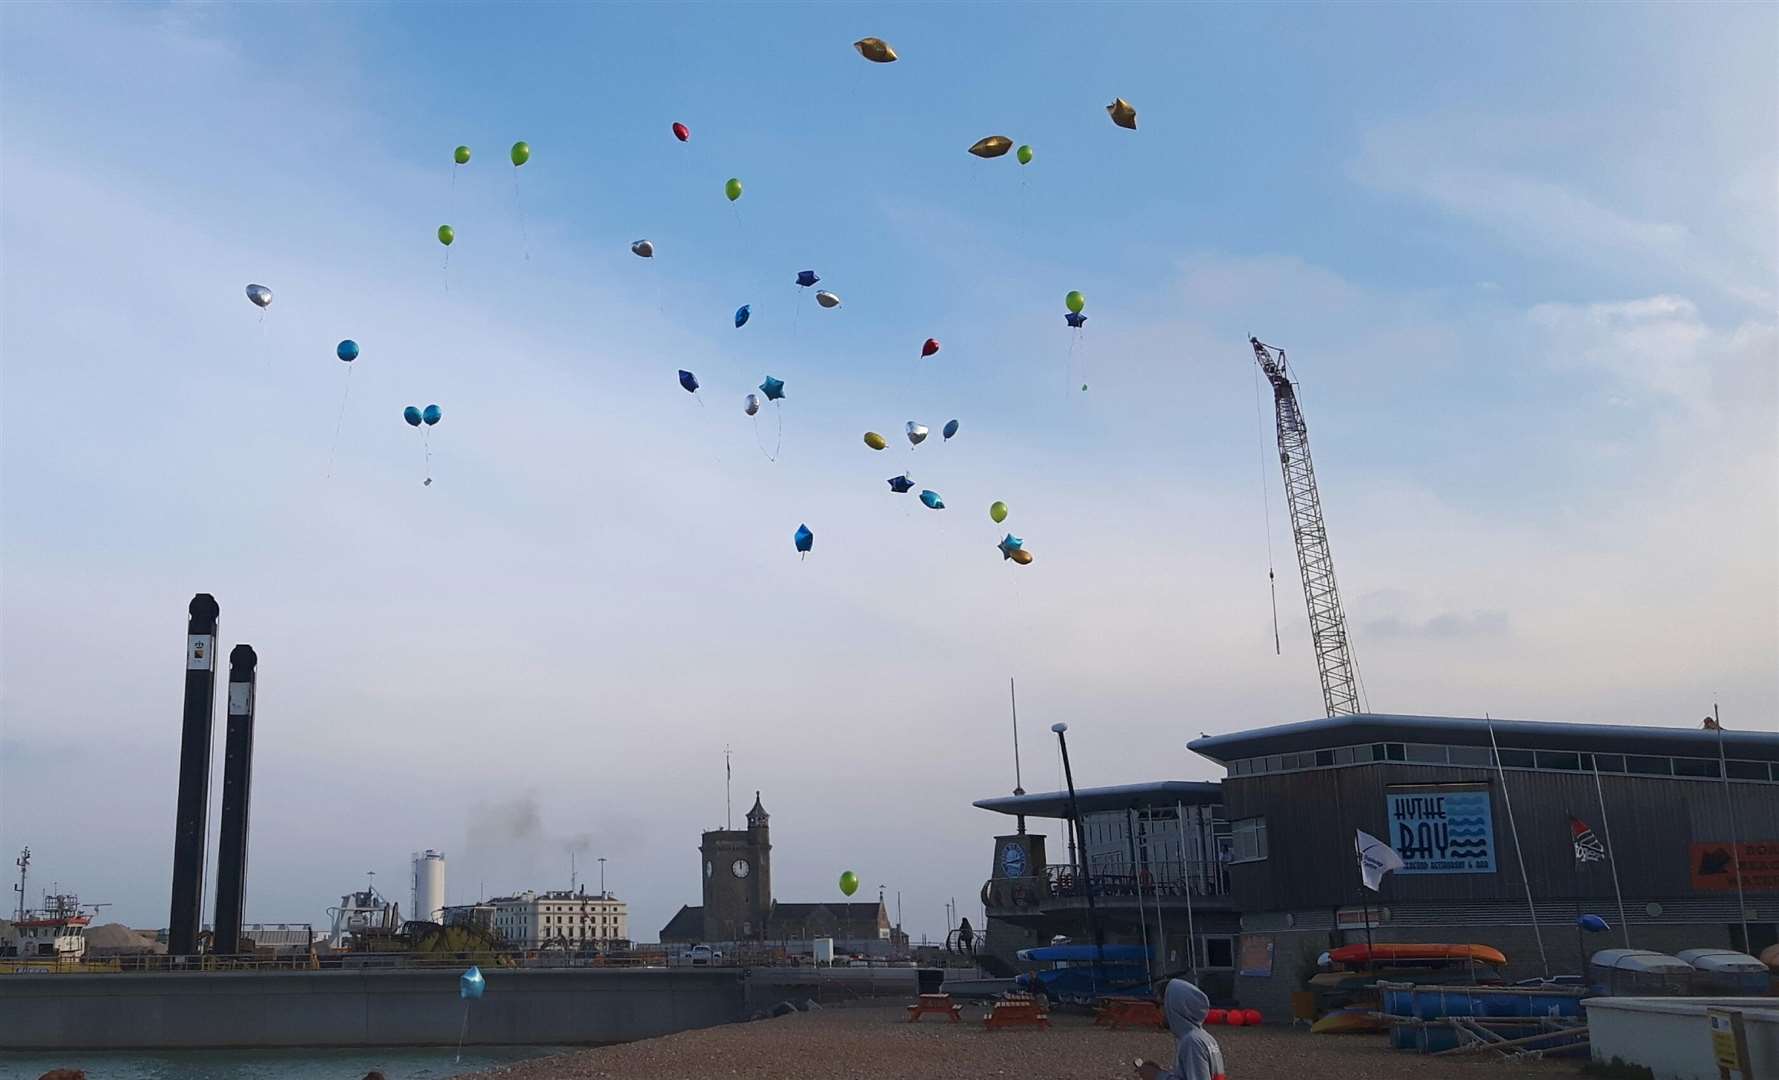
(772,388)
(432,415)
(347,350)
(412,416)
(471,984)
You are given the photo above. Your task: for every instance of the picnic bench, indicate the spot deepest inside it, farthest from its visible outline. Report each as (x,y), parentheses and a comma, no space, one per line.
(934,1003)
(1116,1012)
(1017,1010)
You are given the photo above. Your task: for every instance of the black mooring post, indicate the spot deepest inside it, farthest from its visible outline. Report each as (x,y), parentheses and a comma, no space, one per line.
(194,778)
(237,785)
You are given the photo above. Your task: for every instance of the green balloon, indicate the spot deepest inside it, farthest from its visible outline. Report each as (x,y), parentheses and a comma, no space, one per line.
(849,883)
(733,190)
(462,155)
(1025,155)
(521,153)
(998,511)
(446,235)
(1075,301)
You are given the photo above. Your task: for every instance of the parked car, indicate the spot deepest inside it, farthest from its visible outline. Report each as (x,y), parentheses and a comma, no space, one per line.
(702,956)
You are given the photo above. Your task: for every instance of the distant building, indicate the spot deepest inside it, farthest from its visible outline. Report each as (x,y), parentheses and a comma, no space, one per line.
(533,920)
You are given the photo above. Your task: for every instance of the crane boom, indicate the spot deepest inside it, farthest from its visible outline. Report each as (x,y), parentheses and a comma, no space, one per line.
(1328,621)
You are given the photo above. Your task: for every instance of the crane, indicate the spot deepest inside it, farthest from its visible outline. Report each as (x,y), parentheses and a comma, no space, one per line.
(1328,622)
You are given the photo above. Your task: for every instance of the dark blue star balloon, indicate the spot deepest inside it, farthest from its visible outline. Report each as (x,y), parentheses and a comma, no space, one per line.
(1076,319)
(806,278)
(741,314)
(804,538)
(1008,545)
(932,499)
(772,388)
(950,428)
(901,485)
(689,381)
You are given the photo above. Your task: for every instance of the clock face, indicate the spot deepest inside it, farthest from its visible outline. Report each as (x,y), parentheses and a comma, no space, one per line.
(1012,860)
(739,868)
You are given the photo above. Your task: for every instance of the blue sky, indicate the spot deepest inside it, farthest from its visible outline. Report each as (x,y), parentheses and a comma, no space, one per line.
(1523,259)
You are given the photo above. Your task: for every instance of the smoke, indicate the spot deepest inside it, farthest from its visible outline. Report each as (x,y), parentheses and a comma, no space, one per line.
(515,821)
(578,844)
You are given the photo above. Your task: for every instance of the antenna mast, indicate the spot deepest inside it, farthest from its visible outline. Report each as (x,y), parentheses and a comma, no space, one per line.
(728,784)
(1335,665)
(23,862)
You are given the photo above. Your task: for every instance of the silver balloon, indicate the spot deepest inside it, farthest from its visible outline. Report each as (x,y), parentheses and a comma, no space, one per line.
(827,299)
(643,248)
(753,404)
(917,433)
(260,295)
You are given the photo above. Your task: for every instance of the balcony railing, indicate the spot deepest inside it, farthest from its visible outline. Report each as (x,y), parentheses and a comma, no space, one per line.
(1174,879)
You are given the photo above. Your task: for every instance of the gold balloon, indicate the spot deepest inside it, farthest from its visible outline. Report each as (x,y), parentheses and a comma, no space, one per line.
(875,441)
(1021,556)
(993,146)
(1123,113)
(876,50)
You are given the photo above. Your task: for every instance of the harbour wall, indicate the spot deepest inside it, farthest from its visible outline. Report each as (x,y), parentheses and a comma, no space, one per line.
(260,1010)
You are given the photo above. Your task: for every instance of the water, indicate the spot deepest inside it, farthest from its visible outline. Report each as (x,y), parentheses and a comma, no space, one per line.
(395,1063)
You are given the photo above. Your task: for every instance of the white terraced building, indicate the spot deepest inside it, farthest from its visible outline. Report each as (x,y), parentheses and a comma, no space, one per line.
(576,920)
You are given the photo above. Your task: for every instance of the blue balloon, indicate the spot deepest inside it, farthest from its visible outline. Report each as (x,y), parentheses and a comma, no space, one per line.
(805,539)
(1076,319)
(741,314)
(347,350)
(1008,545)
(806,278)
(412,416)
(471,983)
(689,381)
(932,499)
(901,485)
(432,415)
(950,428)
(1593,924)
(772,388)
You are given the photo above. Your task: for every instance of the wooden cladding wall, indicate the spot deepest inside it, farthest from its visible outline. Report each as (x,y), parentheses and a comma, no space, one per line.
(1311,816)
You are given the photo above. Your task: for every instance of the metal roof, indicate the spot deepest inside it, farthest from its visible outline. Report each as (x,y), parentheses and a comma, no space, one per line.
(1055,804)
(1474,731)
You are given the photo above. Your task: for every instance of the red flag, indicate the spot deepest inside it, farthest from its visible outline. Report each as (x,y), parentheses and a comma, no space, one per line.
(1587,846)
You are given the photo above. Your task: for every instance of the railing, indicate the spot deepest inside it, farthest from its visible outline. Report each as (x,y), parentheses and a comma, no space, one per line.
(1161,880)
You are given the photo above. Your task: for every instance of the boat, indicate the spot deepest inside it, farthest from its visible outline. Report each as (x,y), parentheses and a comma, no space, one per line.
(56,934)
(1724,972)
(1349,1019)
(1638,973)
(1409,952)
(1085,973)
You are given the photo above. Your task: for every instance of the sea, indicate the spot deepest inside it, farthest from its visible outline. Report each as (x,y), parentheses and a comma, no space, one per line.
(395,1063)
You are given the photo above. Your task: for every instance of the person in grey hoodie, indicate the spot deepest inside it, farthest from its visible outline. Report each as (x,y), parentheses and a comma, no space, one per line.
(1198,1057)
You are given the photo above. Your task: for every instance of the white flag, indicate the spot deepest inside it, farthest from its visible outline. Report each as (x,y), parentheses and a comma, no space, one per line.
(1376,859)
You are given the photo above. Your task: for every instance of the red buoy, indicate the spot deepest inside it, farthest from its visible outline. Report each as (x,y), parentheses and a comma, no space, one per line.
(1251,1017)
(1236,1018)
(1216,1016)
(681,131)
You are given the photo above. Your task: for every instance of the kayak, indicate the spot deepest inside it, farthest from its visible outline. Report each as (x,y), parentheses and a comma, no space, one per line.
(1351,1019)
(1395,953)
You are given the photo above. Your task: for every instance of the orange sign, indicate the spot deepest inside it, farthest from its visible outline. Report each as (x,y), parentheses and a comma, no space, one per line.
(1714,866)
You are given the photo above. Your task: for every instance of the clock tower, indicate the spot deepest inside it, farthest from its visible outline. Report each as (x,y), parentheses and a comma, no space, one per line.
(737,869)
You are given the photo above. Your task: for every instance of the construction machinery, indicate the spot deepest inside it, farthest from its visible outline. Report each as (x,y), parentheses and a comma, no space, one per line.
(1335,665)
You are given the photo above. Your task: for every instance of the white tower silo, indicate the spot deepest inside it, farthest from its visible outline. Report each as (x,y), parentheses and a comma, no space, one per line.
(429,886)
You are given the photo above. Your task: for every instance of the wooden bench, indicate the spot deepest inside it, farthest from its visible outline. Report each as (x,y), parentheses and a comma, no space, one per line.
(934,1003)
(1116,1012)
(1016,1010)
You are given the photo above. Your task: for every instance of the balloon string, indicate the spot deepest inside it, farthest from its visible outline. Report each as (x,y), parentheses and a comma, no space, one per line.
(447,270)
(426,442)
(773,456)
(461,1035)
(524,233)
(339,423)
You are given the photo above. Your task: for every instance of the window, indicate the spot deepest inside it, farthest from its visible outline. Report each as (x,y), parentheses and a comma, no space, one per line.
(1219,952)
(1324,758)
(1273,763)
(1747,770)
(1377,752)
(1343,755)
(1646,766)
(1552,759)
(1248,837)
(1517,759)
(1426,753)
(1695,767)
(1394,751)
(1609,762)
(1472,755)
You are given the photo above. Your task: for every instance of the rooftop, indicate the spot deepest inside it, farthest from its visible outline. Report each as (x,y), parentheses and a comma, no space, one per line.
(1055,804)
(1335,731)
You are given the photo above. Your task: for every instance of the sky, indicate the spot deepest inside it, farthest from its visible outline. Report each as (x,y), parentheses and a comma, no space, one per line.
(1524,260)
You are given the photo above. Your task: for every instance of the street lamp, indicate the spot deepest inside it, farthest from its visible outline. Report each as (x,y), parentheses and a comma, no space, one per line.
(1093,919)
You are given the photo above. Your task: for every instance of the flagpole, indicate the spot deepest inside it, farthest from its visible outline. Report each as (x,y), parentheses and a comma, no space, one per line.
(1624,924)
(1191,944)
(1519,853)
(1723,774)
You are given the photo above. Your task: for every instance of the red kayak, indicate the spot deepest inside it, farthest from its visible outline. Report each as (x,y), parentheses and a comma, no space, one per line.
(1399,953)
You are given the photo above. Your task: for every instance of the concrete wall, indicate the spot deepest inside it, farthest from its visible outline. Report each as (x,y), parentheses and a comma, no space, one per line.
(358,1008)
(1671,1037)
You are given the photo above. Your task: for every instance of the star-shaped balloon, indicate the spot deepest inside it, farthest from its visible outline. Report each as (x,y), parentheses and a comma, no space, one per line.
(932,499)
(1076,319)
(1008,545)
(806,278)
(804,538)
(470,984)
(901,485)
(772,388)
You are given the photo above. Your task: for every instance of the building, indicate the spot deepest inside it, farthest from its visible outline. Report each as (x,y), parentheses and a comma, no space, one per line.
(1465,803)
(738,904)
(426,901)
(559,919)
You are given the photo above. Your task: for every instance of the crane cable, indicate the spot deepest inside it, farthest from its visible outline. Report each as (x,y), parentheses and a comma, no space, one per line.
(1272,582)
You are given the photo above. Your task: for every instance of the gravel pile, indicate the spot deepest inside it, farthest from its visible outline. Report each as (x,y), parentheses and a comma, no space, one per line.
(872,1043)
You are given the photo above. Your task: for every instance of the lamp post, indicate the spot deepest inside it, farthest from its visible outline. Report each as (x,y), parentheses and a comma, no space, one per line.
(1093,919)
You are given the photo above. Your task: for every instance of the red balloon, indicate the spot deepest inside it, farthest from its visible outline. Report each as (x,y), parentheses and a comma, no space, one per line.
(1235,1018)
(681,131)
(1216,1016)
(1251,1016)
(931,347)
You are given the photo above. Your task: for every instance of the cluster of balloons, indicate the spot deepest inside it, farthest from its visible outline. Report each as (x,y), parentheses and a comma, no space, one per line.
(994,146)
(428,416)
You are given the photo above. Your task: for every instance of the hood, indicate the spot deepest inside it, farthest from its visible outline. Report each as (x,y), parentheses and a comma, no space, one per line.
(1186,1007)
